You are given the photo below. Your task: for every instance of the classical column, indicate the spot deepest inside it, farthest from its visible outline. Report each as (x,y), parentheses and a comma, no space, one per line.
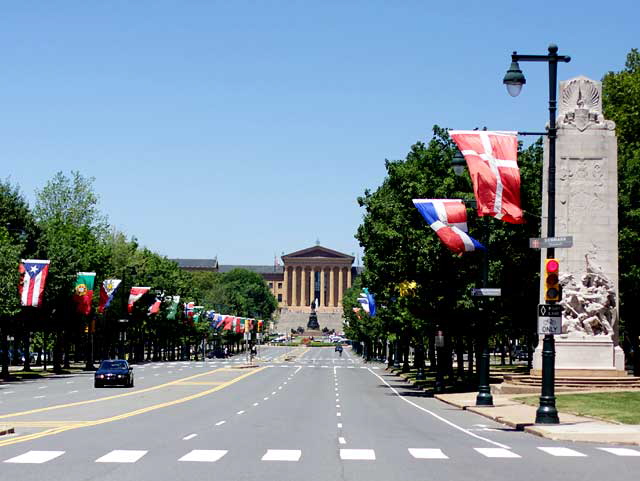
(348,277)
(294,287)
(332,286)
(304,290)
(285,285)
(322,285)
(340,284)
(312,284)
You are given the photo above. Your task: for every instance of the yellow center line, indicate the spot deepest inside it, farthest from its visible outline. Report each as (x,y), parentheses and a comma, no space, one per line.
(107,398)
(129,414)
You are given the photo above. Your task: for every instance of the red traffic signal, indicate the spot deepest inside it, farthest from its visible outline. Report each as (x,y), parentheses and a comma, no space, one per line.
(551,280)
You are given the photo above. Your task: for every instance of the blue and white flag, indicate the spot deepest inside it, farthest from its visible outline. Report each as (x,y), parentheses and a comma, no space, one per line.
(367,302)
(448,217)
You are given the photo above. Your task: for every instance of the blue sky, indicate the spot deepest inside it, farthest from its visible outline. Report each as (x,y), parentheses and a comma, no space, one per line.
(245,129)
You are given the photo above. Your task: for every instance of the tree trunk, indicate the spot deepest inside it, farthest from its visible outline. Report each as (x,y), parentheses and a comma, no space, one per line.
(4,344)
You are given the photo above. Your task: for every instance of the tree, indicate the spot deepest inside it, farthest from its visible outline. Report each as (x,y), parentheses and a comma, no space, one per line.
(73,232)
(247,295)
(621,103)
(9,300)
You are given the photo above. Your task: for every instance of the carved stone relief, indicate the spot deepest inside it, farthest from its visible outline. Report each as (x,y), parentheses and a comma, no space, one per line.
(581,105)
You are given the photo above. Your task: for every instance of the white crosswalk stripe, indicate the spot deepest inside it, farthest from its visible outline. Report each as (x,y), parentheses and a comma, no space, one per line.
(497,453)
(556,451)
(122,456)
(621,451)
(428,453)
(358,454)
(35,457)
(282,455)
(204,455)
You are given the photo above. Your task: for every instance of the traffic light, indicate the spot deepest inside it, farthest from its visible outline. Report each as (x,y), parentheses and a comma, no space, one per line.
(551,280)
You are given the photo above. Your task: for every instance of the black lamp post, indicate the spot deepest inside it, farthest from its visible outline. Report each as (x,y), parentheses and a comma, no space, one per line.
(514,80)
(484,397)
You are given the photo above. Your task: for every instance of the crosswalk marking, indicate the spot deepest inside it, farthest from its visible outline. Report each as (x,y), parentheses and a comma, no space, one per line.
(621,451)
(282,455)
(35,457)
(553,451)
(430,453)
(358,454)
(122,456)
(497,453)
(204,455)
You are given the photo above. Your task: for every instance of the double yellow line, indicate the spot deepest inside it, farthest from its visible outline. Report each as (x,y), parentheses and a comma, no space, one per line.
(83,424)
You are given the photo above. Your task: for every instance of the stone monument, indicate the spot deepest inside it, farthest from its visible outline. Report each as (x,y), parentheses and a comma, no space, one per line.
(313,324)
(587,209)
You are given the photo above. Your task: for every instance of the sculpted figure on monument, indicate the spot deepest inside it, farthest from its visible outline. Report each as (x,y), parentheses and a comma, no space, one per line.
(589,306)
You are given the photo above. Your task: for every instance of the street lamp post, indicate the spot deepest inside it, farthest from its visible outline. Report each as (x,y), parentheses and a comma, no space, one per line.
(514,80)
(484,397)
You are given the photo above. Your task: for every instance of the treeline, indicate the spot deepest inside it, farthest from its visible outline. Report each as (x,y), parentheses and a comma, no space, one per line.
(66,227)
(400,249)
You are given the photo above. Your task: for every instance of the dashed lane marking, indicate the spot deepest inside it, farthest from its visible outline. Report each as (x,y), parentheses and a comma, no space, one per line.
(282,455)
(358,454)
(497,453)
(203,455)
(122,456)
(420,453)
(35,457)
(564,452)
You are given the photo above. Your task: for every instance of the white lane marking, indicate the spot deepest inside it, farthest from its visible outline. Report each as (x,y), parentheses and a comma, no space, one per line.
(72,392)
(284,382)
(446,421)
(337,405)
(621,451)
(337,394)
(264,399)
(35,457)
(421,453)
(122,456)
(203,455)
(38,397)
(279,387)
(190,436)
(358,454)
(341,440)
(140,377)
(340,425)
(339,414)
(220,423)
(70,382)
(255,404)
(156,374)
(336,388)
(282,455)
(273,393)
(240,412)
(9,392)
(42,387)
(496,453)
(562,452)
(299,367)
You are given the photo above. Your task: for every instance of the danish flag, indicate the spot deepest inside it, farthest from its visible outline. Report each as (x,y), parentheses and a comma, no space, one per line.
(448,217)
(492,158)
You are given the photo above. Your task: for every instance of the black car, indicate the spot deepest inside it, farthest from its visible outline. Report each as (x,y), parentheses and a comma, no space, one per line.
(114,372)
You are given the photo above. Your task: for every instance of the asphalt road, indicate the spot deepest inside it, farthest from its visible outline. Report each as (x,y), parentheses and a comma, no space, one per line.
(303,413)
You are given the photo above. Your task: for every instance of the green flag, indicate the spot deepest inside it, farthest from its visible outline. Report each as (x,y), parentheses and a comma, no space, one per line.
(172,310)
(83,293)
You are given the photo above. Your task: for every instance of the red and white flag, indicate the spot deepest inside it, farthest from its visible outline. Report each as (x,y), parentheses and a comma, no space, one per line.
(135,294)
(492,158)
(33,275)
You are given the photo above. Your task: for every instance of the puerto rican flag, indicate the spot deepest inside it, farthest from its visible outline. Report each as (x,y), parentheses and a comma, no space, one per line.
(134,295)
(448,217)
(492,158)
(33,275)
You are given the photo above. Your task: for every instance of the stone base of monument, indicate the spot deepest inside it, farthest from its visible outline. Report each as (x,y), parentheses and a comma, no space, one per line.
(583,356)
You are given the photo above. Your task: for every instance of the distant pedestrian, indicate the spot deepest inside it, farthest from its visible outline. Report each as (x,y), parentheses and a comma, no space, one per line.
(226,351)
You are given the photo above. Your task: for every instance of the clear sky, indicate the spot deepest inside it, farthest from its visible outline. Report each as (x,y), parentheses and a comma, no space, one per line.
(245,129)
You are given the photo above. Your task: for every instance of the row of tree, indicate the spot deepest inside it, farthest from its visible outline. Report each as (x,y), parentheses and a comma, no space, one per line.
(66,227)
(401,249)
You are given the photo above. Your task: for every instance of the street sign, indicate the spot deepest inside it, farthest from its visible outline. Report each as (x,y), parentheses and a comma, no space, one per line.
(550,319)
(486,292)
(551,242)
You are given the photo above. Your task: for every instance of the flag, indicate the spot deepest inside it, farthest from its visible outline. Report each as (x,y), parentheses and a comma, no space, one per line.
(188,309)
(155,307)
(260,325)
(33,276)
(172,310)
(107,291)
(228,323)
(366,300)
(492,158)
(448,217)
(197,312)
(135,294)
(83,293)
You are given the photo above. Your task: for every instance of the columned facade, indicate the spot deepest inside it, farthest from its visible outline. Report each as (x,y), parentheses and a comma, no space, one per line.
(316,274)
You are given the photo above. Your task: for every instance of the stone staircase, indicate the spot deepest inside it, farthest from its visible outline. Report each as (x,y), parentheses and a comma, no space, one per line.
(292,319)
(524,383)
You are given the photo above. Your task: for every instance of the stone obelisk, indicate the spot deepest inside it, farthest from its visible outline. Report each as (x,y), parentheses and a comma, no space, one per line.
(587,209)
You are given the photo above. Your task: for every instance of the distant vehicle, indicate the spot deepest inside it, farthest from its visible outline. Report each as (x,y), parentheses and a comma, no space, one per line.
(114,372)
(216,353)
(280,339)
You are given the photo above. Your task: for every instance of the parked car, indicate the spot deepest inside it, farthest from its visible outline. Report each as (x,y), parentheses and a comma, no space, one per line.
(216,353)
(114,372)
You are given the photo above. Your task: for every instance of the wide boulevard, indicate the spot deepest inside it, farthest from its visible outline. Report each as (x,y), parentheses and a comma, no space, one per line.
(300,414)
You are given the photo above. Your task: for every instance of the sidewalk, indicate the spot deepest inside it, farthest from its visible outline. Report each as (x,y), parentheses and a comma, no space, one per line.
(522,417)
